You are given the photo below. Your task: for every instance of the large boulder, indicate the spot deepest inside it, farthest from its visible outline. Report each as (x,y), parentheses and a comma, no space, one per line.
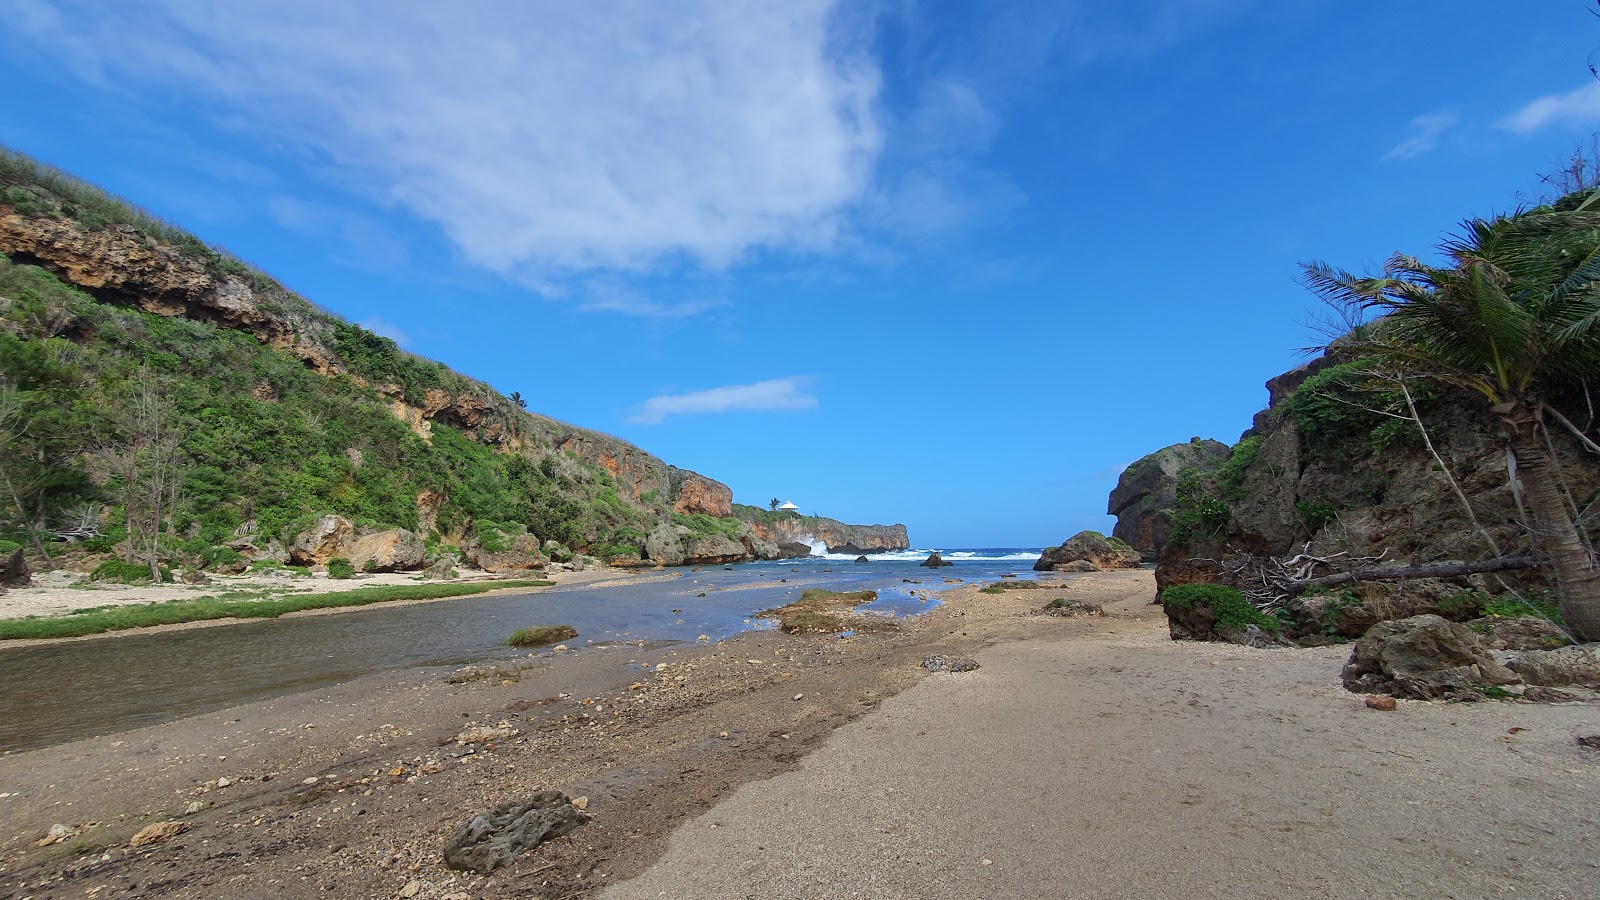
(1091,547)
(14,571)
(1519,633)
(1559,668)
(328,537)
(664,544)
(395,550)
(934,561)
(1423,658)
(504,548)
(1147,490)
(1349,611)
(712,549)
(793,550)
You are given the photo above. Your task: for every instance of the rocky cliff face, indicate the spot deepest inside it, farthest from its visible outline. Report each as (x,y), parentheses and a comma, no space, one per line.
(1322,471)
(839,537)
(693,493)
(1144,496)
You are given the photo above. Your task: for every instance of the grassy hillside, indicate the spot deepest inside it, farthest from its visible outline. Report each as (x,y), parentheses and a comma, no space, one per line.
(110,411)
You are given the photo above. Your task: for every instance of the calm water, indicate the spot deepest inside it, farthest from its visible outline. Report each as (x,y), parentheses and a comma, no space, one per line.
(74,690)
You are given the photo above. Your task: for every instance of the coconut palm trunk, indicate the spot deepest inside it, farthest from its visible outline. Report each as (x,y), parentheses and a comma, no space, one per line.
(1554,532)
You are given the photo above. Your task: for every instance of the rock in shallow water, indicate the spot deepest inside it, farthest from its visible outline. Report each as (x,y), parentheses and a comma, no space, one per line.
(494,838)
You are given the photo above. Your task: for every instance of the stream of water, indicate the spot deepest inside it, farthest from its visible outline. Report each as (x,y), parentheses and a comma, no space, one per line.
(66,691)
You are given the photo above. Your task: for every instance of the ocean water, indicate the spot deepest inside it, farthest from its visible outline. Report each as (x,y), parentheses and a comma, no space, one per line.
(76,689)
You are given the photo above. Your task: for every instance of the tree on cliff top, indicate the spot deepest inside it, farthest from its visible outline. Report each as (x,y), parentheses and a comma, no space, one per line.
(773,504)
(1514,317)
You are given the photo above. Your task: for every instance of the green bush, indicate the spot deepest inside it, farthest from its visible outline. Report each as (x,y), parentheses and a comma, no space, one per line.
(8,547)
(1314,514)
(541,635)
(1197,514)
(1229,608)
(1230,478)
(339,567)
(126,572)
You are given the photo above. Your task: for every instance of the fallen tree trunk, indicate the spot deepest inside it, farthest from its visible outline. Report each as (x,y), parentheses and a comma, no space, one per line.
(1432,570)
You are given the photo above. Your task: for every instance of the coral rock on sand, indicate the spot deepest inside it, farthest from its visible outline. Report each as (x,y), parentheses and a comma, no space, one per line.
(492,839)
(1089,547)
(156,832)
(1423,658)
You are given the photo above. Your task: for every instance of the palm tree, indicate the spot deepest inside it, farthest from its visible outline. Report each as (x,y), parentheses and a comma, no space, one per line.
(773,504)
(1514,317)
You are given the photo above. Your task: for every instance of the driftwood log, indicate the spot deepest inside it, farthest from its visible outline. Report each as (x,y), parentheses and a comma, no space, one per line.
(1432,570)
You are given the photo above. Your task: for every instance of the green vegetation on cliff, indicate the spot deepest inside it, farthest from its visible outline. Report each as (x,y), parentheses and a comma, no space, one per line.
(164,435)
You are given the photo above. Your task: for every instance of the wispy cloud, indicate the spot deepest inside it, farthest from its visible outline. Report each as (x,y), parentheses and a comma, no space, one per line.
(1426,131)
(776,395)
(540,138)
(617,298)
(1580,107)
(380,325)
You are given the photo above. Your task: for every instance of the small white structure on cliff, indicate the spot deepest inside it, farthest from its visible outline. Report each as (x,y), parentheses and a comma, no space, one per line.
(788,506)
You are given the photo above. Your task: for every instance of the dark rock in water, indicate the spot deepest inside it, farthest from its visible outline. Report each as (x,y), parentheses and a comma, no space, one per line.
(1090,547)
(1072,608)
(934,561)
(1560,667)
(1423,658)
(14,572)
(793,550)
(492,839)
(859,559)
(937,663)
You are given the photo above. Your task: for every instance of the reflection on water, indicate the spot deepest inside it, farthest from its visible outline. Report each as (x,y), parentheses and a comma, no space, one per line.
(67,691)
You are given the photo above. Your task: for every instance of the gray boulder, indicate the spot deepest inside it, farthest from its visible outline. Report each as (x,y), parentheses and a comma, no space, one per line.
(1090,547)
(934,561)
(328,537)
(664,544)
(1423,658)
(395,550)
(492,839)
(1565,666)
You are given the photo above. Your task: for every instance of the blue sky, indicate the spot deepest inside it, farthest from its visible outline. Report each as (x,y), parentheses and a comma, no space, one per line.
(947,265)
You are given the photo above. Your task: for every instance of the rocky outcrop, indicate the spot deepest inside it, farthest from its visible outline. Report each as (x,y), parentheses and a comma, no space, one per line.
(664,544)
(505,551)
(1319,472)
(1423,658)
(395,550)
(693,493)
(934,561)
(839,537)
(327,538)
(635,472)
(791,550)
(1145,493)
(713,549)
(1089,547)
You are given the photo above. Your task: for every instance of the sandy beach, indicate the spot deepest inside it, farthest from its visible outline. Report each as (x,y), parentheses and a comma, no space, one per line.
(1087,757)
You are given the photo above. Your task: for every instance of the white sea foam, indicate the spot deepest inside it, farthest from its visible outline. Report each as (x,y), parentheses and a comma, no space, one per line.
(920,555)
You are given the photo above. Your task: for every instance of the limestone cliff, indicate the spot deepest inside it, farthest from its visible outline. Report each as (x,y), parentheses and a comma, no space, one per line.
(782,527)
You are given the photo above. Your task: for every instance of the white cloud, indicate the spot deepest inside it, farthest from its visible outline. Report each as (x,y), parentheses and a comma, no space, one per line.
(1426,130)
(1576,107)
(541,138)
(618,298)
(380,325)
(776,395)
